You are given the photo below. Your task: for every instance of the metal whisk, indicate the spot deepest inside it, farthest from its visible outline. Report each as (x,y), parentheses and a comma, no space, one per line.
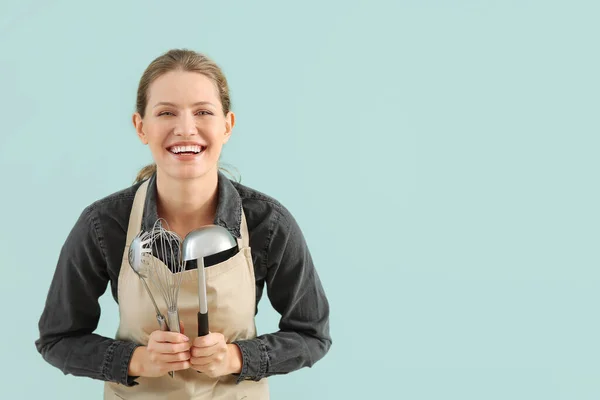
(165,269)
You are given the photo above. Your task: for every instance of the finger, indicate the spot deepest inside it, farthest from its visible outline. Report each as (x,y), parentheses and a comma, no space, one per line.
(166,336)
(206,351)
(218,356)
(168,348)
(176,357)
(208,340)
(203,361)
(181,329)
(208,369)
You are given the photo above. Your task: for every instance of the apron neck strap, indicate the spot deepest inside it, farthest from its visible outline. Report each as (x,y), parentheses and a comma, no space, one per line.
(244,241)
(137,212)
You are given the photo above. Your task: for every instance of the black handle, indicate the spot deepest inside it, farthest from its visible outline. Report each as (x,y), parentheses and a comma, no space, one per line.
(202,324)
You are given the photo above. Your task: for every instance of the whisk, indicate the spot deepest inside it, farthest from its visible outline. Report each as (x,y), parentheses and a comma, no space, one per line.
(146,253)
(165,269)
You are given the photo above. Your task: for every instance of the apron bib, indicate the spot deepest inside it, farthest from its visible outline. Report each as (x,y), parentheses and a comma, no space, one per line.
(231,295)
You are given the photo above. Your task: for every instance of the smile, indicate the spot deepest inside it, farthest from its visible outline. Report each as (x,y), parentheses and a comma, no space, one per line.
(184,150)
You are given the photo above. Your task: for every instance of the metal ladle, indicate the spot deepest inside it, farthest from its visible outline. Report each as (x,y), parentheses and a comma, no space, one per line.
(198,244)
(137,251)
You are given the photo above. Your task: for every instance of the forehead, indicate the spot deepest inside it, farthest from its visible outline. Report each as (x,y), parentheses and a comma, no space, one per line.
(182,87)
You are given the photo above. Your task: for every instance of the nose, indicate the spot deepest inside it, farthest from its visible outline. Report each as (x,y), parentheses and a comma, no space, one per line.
(185,125)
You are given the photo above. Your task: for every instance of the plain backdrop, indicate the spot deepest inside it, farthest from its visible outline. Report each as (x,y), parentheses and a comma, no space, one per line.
(441,158)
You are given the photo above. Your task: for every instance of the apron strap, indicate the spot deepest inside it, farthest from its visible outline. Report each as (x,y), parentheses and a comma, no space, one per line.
(137,212)
(244,241)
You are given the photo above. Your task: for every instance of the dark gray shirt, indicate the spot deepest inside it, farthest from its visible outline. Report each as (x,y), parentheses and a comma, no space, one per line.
(90,260)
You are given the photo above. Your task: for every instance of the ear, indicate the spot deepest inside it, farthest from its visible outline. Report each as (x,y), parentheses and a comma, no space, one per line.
(229,123)
(138,125)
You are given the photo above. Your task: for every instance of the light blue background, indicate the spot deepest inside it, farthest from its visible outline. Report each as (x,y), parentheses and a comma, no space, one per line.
(440,156)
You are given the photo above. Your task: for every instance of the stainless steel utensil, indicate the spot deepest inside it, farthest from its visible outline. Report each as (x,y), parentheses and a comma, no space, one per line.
(165,248)
(138,255)
(198,244)
(165,270)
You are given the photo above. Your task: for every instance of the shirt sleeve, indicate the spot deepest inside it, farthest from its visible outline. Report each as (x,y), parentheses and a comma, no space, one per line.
(71,313)
(296,293)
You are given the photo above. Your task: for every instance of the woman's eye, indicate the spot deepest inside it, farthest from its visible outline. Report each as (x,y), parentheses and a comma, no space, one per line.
(168,113)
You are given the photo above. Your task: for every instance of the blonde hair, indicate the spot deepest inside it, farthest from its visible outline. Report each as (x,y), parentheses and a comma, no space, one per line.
(184,60)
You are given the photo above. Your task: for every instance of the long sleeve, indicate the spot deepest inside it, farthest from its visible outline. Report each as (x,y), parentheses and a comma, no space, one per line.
(296,293)
(71,313)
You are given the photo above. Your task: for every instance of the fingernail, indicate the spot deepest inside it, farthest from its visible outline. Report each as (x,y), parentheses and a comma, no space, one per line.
(186,338)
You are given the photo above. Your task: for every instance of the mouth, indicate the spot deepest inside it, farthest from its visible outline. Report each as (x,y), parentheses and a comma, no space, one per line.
(186,150)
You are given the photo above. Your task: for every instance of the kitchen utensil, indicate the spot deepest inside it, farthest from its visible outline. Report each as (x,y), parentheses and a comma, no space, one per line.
(165,270)
(198,244)
(139,255)
(165,246)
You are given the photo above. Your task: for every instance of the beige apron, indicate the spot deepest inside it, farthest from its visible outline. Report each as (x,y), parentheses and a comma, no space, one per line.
(231,298)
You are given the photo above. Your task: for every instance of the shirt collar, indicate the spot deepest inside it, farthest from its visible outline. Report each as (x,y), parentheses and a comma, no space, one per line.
(229,206)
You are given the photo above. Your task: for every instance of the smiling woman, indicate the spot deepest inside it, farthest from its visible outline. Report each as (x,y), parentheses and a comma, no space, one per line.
(204,103)
(183,115)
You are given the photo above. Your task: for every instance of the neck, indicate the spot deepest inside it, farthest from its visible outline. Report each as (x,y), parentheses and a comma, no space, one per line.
(187,204)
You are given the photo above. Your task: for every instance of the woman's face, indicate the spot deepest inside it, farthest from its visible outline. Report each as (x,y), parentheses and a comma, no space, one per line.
(184,124)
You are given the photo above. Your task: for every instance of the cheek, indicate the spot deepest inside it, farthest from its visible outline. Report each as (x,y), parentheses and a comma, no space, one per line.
(216,144)
(213,127)
(156,133)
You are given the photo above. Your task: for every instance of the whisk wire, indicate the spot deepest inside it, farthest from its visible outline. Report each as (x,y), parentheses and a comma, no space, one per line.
(166,252)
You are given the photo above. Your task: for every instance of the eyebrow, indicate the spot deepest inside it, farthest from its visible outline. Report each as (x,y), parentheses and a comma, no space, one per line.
(199,103)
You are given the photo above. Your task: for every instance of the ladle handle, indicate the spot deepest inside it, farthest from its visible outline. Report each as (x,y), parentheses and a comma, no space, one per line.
(202,324)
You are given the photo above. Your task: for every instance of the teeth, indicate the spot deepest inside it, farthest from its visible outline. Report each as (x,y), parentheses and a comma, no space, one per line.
(186,149)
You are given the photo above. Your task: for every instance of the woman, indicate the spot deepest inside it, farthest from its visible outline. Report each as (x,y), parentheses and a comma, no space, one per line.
(184,116)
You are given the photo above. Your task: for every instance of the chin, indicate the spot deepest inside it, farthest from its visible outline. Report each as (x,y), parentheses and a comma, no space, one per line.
(188,172)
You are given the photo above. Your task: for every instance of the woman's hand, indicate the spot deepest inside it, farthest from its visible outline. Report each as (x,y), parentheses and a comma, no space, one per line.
(165,352)
(212,356)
